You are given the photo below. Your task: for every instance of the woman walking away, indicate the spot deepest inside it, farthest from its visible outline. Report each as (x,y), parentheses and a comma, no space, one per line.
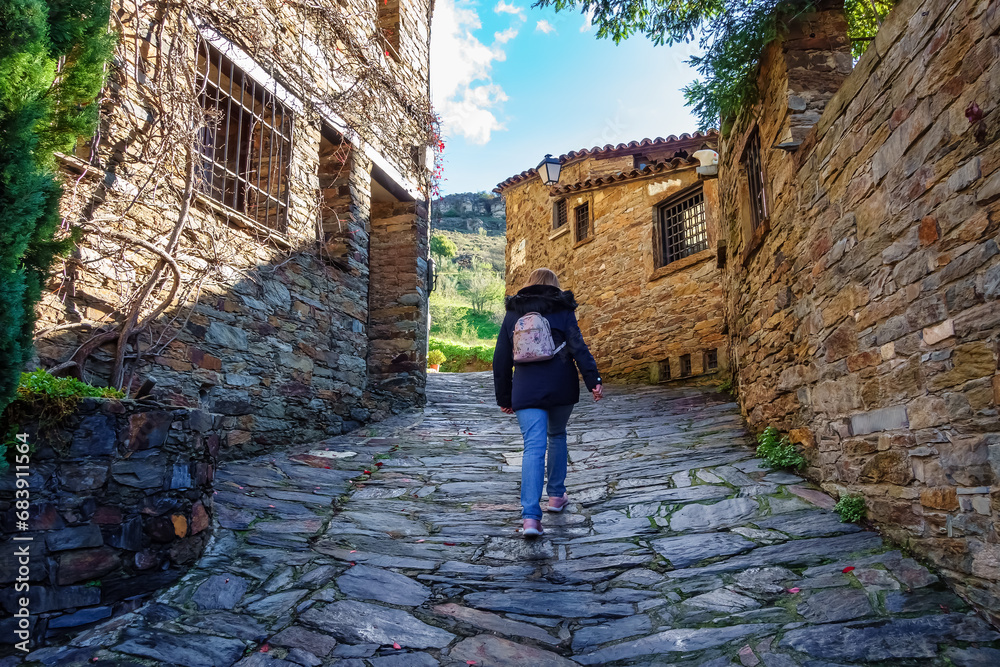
(535,378)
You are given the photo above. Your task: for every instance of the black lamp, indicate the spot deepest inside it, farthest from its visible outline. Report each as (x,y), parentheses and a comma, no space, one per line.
(548,169)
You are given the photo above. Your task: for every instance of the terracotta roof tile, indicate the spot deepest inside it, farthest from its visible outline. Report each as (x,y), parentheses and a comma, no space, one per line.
(657,167)
(608,148)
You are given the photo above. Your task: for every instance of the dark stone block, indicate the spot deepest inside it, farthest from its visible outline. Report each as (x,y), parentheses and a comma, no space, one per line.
(141,474)
(119,588)
(78,537)
(148,430)
(84,476)
(181,476)
(86,564)
(44,516)
(200,421)
(161,529)
(220,591)
(52,598)
(94,437)
(234,407)
(82,617)
(128,536)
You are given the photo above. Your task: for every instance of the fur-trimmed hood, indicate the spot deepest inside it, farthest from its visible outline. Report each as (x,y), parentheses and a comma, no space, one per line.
(542,299)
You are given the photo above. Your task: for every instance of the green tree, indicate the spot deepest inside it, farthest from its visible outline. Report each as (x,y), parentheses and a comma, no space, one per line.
(731,33)
(53,55)
(443,247)
(482,287)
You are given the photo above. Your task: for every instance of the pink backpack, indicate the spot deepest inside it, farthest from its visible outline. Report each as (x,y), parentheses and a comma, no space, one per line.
(533,339)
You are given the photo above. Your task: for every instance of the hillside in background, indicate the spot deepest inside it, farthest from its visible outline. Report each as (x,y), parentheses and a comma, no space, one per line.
(467,303)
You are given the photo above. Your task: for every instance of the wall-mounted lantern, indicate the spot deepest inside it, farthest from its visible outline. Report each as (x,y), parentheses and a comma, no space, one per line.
(709,162)
(548,169)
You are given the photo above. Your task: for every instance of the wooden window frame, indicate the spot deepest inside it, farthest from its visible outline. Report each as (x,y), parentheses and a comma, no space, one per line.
(229,173)
(390,24)
(686,367)
(590,222)
(560,214)
(752,161)
(666,240)
(711,360)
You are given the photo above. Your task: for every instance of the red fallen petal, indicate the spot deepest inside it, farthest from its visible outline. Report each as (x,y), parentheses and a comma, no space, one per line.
(379,464)
(368,472)
(352,563)
(265,648)
(794,590)
(270,505)
(471,662)
(419,541)
(847,569)
(327,467)
(396,645)
(354,551)
(449,544)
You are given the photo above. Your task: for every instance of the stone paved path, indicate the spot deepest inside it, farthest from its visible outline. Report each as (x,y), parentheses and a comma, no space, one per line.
(677,549)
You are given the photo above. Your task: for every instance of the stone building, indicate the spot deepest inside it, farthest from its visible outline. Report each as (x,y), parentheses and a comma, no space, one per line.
(632,230)
(277,154)
(862,282)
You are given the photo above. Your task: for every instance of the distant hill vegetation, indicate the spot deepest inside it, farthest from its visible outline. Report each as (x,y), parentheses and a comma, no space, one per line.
(468,232)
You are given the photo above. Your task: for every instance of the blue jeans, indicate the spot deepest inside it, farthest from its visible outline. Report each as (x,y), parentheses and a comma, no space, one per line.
(539,427)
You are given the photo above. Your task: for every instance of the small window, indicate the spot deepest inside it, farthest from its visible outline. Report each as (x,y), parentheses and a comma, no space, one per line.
(755,179)
(246,143)
(681,227)
(664,370)
(711,360)
(685,365)
(560,214)
(582,216)
(388,23)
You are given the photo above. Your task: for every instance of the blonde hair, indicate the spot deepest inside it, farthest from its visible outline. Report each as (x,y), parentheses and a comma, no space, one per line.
(543,277)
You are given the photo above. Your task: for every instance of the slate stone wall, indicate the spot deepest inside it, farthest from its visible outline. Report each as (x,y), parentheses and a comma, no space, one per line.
(864,315)
(121,504)
(637,319)
(270,329)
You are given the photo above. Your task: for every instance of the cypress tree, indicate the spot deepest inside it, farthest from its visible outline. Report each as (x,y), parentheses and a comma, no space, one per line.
(53,56)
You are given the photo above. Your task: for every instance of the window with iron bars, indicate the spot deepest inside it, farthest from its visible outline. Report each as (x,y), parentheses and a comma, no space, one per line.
(560,214)
(681,227)
(388,23)
(755,180)
(246,144)
(685,365)
(582,214)
(711,360)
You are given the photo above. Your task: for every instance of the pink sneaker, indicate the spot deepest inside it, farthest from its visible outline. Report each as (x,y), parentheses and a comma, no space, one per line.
(532,528)
(557,504)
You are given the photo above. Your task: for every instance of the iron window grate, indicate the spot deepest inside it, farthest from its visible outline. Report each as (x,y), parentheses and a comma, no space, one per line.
(683,229)
(561,216)
(582,221)
(755,179)
(712,360)
(246,144)
(685,365)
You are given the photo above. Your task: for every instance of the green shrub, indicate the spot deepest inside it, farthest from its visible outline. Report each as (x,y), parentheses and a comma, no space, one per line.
(461,357)
(47,399)
(777,450)
(726,386)
(436,357)
(851,509)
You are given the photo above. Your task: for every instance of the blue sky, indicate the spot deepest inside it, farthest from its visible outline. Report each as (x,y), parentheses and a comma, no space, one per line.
(513,83)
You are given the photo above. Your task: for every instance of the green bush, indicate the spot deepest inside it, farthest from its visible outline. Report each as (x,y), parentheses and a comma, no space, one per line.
(460,357)
(777,450)
(851,509)
(52,66)
(39,384)
(436,357)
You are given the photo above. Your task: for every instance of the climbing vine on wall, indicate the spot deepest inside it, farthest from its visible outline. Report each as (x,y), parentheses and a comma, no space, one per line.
(53,56)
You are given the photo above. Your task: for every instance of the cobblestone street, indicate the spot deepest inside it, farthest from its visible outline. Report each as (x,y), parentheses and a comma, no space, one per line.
(676,549)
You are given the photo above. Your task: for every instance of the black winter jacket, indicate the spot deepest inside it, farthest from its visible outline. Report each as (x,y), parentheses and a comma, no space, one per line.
(543,384)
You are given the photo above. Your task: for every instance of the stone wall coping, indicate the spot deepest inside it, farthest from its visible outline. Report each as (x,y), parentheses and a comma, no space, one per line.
(681,264)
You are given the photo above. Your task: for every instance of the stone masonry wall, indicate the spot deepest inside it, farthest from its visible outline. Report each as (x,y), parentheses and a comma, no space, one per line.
(635,318)
(270,328)
(864,316)
(121,496)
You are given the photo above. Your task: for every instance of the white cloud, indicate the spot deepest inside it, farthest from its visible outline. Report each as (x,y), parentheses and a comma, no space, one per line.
(545,26)
(461,81)
(505,36)
(587,18)
(504,8)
